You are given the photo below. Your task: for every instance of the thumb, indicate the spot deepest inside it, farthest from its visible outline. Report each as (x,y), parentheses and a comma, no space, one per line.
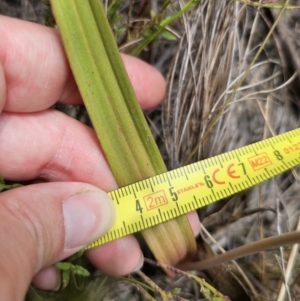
(44,223)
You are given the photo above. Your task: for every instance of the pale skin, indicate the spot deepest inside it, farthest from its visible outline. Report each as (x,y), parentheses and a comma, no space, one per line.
(46,146)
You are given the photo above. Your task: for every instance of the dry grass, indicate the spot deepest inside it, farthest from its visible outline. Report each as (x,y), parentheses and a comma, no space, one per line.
(218,41)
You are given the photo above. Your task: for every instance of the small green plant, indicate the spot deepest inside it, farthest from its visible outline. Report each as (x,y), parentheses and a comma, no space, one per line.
(68,269)
(158,24)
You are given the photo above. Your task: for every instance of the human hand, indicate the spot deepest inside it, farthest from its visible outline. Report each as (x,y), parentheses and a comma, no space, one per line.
(43,223)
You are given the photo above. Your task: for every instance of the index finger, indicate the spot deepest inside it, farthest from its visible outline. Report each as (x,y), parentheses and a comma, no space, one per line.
(37,73)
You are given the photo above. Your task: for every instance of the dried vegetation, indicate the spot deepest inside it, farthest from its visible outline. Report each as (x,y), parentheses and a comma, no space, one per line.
(218,41)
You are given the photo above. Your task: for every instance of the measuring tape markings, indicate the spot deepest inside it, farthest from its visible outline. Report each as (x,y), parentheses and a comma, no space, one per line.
(152,201)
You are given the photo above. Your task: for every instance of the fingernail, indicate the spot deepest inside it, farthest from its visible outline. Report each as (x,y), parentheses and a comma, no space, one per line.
(57,287)
(58,280)
(140,265)
(87,216)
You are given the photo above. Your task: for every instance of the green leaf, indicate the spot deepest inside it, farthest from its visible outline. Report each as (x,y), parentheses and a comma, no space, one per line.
(80,271)
(168,35)
(176,291)
(117,118)
(63,266)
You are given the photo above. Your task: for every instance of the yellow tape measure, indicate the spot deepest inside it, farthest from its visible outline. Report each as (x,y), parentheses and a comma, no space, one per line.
(163,197)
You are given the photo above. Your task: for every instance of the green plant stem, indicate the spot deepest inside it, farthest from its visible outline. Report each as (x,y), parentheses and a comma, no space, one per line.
(119,123)
(161,27)
(203,284)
